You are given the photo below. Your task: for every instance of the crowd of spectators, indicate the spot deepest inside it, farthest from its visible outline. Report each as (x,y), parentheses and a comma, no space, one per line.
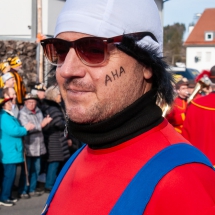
(31,135)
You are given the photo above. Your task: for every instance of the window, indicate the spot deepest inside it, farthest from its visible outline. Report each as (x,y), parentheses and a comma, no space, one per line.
(198,57)
(209,36)
(208,56)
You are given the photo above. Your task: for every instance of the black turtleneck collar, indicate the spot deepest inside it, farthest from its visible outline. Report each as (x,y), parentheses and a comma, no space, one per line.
(137,118)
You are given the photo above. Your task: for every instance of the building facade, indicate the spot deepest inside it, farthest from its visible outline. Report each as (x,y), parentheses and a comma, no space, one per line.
(200,44)
(18,19)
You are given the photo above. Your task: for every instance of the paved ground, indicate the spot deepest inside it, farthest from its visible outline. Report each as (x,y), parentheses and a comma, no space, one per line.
(32,206)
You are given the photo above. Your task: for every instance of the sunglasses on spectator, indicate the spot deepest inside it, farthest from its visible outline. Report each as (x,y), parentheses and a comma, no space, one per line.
(92,51)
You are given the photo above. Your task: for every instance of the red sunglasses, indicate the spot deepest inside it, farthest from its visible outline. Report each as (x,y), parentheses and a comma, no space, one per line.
(92,51)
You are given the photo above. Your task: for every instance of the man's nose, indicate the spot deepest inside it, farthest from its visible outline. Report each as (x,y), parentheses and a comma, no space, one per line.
(72,66)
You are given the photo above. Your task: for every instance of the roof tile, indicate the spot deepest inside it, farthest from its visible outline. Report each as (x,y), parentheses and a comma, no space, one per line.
(206,23)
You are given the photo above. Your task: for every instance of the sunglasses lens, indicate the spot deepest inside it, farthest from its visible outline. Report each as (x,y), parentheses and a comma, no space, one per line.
(91,50)
(56,51)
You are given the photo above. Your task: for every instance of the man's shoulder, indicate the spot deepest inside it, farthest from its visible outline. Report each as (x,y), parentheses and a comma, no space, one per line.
(179,105)
(49,104)
(167,135)
(189,188)
(156,139)
(38,110)
(204,103)
(179,101)
(24,111)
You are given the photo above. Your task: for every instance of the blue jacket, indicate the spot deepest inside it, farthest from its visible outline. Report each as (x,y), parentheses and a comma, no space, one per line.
(11,133)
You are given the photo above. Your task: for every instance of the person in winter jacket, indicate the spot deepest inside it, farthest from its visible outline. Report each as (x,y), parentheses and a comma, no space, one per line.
(56,143)
(11,153)
(34,144)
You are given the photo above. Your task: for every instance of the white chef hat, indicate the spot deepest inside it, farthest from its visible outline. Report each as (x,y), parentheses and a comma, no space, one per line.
(109,18)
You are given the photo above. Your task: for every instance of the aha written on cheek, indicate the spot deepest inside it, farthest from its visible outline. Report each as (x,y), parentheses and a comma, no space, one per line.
(114,75)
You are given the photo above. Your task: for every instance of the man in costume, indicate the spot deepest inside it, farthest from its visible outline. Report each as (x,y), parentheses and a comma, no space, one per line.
(176,116)
(16,64)
(200,121)
(110,73)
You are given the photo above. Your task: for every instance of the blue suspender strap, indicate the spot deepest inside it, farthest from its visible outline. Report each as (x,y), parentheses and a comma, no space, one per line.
(59,179)
(137,194)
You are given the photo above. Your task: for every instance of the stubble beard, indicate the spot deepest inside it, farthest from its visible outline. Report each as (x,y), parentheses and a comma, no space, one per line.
(84,115)
(94,113)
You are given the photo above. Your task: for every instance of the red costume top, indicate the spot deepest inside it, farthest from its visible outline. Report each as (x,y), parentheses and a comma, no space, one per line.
(176,116)
(97,178)
(200,124)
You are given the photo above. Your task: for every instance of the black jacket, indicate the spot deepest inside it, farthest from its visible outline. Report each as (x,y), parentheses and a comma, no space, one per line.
(56,143)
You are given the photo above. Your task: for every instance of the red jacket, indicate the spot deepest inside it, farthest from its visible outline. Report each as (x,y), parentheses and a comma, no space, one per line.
(176,116)
(199,126)
(97,178)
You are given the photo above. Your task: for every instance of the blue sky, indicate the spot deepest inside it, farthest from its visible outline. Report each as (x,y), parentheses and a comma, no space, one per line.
(183,11)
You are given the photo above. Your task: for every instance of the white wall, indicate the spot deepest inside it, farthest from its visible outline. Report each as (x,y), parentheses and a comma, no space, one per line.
(15,17)
(50,12)
(207,55)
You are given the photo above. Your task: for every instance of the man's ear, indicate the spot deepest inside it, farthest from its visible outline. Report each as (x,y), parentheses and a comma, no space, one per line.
(147,73)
